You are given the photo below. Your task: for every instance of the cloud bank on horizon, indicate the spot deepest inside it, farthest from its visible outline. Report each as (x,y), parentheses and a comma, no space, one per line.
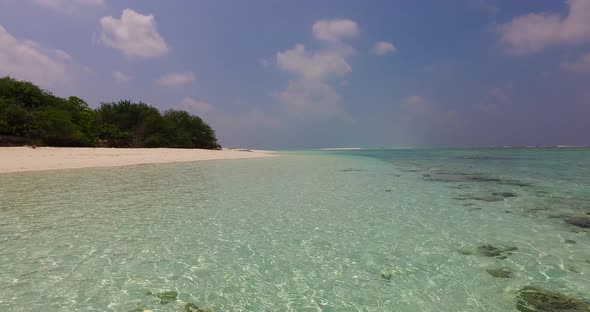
(339,73)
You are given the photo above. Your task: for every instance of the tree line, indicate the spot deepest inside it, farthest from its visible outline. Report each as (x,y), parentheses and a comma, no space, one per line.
(31,115)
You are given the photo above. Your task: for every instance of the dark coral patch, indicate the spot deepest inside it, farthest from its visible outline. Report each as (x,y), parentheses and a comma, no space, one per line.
(501,252)
(191,307)
(504,194)
(583,222)
(534,299)
(481,197)
(165,297)
(494,197)
(462,177)
(387,276)
(500,273)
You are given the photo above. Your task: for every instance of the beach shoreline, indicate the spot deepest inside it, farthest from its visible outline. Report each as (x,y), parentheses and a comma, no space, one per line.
(21,159)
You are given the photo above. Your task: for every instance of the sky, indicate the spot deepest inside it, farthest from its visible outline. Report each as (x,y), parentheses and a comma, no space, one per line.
(333,73)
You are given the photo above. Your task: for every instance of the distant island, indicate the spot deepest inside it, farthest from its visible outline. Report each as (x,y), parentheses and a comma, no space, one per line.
(30,115)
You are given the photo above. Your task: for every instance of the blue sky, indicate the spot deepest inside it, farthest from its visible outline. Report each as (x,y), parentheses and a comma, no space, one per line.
(307,74)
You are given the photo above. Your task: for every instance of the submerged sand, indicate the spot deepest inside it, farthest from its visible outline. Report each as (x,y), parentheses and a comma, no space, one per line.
(16,159)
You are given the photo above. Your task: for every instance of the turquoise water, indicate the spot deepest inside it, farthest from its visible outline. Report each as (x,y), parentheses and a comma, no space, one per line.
(369,230)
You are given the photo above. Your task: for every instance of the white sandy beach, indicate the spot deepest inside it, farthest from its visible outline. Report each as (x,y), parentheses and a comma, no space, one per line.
(16,159)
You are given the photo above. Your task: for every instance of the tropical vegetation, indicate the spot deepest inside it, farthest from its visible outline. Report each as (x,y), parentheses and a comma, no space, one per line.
(31,115)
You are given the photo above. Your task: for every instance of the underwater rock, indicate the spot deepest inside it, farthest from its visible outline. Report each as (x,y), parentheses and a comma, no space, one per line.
(489,157)
(534,299)
(495,251)
(583,222)
(191,307)
(500,273)
(485,198)
(462,177)
(504,194)
(165,297)
(457,178)
(410,168)
(494,197)
(482,179)
(389,273)
(516,183)
(387,276)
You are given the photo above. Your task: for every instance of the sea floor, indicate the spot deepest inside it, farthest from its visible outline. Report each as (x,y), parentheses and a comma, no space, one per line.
(369,230)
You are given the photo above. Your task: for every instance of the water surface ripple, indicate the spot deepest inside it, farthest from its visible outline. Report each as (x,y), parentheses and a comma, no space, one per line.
(369,230)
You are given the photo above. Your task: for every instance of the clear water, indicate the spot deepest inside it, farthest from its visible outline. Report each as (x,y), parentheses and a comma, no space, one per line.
(369,230)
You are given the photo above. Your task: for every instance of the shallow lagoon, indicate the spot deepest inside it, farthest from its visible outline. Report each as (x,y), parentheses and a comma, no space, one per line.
(369,230)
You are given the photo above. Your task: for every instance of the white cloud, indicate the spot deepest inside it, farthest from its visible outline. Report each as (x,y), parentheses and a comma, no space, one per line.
(418,104)
(334,30)
(383,47)
(27,60)
(121,77)
(535,31)
(176,79)
(63,55)
(581,65)
(313,65)
(311,90)
(69,5)
(134,34)
(316,97)
(196,105)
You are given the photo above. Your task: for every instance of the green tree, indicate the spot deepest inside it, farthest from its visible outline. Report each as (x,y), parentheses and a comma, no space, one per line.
(15,120)
(178,129)
(85,118)
(54,127)
(139,119)
(31,114)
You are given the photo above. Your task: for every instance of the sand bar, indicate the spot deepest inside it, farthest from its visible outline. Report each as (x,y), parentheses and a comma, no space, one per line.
(17,159)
